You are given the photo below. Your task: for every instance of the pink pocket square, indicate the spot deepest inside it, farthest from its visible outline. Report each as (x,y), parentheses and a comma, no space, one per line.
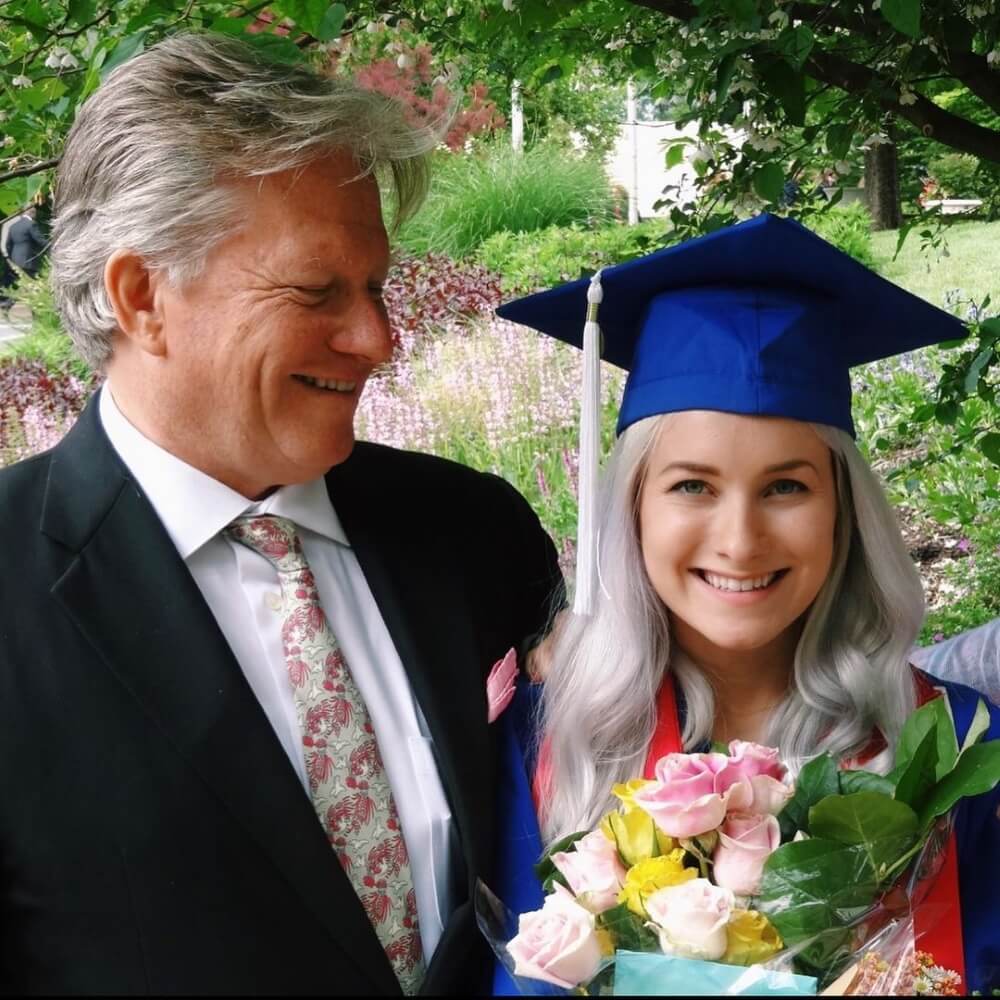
(500,685)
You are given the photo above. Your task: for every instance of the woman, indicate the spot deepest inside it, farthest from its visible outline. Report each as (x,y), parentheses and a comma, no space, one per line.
(749,578)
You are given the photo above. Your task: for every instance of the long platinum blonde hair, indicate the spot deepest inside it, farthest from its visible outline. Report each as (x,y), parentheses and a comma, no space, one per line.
(851,671)
(150,162)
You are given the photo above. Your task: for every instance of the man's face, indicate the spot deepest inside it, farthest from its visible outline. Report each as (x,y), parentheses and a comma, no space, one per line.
(268,349)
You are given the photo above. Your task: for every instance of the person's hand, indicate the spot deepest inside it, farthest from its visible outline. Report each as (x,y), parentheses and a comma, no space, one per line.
(539,658)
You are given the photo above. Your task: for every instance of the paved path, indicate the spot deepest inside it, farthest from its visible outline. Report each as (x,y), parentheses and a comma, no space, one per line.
(8,332)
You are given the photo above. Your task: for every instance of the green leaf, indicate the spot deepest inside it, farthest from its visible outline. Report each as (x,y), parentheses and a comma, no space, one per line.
(982,359)
(769,182)
(275,48)
(813,885)
(630,931)
(230,25)
(865,781)
(796,44)
(307,14)
(81,11)
(788,85)
(920,774)
(724,76)
(838,140)
(977,728)
(546,869)
(333,21)
(675,154)
(740,10)
(977,772)
(989,445)
(946,412)
(903,15)
(42,93)
(882,827)
(123,51)
(13,196)
(934,716)
(818,779)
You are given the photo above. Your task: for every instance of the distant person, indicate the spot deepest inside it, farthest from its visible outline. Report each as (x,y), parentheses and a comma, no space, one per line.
(26,243)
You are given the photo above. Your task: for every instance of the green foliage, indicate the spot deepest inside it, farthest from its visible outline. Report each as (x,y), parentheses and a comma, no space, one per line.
(529,261)
(45,340)
(498,189)
(957,174)
(849,228)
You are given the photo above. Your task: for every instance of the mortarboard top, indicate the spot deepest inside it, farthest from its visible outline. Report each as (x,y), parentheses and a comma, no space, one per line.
(763,317)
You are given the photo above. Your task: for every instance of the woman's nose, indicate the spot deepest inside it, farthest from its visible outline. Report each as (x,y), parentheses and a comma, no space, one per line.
(741,532)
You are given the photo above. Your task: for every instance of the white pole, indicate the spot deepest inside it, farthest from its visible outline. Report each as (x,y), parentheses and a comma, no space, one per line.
(516,117)
(633,139)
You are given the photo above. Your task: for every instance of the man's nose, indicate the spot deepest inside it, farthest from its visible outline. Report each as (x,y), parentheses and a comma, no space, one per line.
(741,534)
(368,334)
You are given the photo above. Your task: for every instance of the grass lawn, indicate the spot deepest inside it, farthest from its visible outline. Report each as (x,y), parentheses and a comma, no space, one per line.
(972,263)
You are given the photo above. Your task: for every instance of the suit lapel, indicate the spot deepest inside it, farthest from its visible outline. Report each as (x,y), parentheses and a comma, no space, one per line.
(418,585)
(133,599)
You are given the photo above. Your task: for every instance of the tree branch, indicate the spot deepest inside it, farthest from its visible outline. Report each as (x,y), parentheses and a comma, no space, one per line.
(35,168)
(975,73)
(933,122)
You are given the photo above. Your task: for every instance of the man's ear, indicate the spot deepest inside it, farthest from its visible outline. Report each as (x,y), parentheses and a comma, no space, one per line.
(132,286)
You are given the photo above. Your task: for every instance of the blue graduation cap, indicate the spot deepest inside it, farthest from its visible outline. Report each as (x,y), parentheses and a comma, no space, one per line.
(762,318)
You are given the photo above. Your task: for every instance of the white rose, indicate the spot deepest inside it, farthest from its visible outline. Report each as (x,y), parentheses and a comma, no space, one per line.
(691,919)
(558,943)
(593,870)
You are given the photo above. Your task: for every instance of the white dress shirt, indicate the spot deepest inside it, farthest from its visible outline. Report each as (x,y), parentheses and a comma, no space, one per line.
(242,590)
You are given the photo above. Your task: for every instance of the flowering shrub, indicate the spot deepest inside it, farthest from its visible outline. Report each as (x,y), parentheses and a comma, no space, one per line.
(426,293)
(36,407)
(408,77)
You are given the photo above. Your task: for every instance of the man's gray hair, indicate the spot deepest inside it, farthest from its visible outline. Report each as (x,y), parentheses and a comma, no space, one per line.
(146,163)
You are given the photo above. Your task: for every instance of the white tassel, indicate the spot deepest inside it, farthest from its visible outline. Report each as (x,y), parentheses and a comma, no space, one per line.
(590,444)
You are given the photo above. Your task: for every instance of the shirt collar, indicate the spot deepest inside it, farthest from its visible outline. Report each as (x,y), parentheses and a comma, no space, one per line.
(193,506)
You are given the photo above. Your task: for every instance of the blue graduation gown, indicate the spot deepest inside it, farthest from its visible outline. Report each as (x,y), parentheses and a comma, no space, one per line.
(977,832)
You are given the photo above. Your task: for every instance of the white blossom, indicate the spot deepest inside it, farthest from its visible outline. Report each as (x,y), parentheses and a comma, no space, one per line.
(842,167)
(69,61)
(508,5)
(876,4)
(993,58)
(8,140)
(53,60)
(876,139)
(906,96)
(405,61)
(21,81)
(780,18)
(615,44)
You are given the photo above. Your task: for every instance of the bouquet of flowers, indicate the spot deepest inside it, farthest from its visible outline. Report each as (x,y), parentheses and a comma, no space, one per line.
(721,875)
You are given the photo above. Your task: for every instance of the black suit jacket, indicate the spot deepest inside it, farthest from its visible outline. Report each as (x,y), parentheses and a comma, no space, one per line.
(153,835)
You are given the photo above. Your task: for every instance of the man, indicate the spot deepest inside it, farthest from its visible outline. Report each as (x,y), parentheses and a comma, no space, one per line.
(25,243)
(243,716)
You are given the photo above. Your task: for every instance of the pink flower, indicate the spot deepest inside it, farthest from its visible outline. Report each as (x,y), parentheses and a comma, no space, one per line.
(558,943)
(754,778)
(689,796)
(691,919)
(593,870)
(745,843)
(500,685)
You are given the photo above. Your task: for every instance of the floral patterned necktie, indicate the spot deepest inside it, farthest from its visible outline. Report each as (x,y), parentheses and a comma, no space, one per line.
(350,790)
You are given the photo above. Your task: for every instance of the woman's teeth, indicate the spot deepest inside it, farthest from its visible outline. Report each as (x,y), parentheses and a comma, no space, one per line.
(728,583)
(327,383)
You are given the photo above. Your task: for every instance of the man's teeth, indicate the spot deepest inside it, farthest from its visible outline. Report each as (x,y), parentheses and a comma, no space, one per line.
(328,383)
(727,583)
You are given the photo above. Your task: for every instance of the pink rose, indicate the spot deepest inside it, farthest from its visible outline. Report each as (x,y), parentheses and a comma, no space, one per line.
(688,797)
(593,870)
(755,776)
(691,919)
(558,943)
(745,843)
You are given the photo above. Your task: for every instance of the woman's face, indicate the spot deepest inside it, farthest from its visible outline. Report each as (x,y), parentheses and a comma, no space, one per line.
(736,521)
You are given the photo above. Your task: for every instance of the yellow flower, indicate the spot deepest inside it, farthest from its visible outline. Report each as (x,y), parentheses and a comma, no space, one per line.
(644,878)
(636,836)
(624,792)
(750,938)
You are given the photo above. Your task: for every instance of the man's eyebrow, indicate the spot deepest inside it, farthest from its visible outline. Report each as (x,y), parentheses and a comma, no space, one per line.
(710,470)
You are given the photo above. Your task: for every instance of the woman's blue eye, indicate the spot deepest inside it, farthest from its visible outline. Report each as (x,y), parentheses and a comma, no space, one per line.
(786,487)
(692,487)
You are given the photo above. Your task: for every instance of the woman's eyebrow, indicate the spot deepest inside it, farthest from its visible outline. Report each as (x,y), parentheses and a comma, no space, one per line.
(795,463)
(710,470)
